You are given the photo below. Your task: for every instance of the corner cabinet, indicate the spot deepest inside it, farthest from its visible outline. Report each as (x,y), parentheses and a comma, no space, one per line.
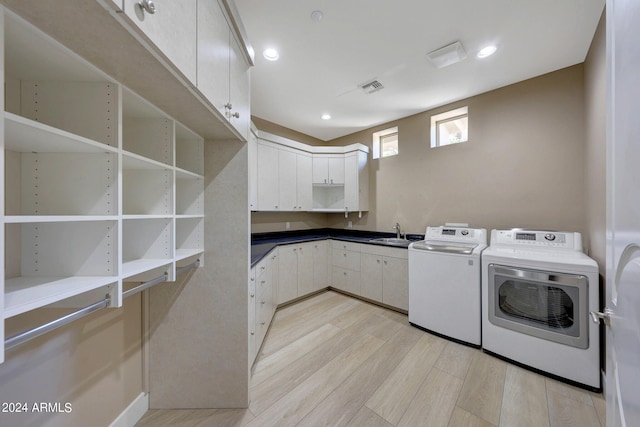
(103,193)
(294,177)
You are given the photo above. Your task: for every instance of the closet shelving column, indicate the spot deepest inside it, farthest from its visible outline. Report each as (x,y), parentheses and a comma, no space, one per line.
(60,167)
(147,189)
(189,190)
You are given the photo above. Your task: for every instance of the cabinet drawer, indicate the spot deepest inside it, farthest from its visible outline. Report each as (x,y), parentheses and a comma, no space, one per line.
(346,280)
(385,251)
(347,246)
(346,259)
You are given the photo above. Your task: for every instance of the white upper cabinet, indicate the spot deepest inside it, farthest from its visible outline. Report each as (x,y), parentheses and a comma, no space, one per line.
(328,169)
(356,183)
(223,73)
(171,27)
(267,164)
(297,177)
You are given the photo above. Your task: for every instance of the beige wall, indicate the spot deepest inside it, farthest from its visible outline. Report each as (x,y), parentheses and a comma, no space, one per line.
(262,222)
(595,151)
(523,166)
(94,363)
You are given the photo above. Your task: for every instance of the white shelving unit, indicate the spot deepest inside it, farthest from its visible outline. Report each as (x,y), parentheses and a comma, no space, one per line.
(100,187)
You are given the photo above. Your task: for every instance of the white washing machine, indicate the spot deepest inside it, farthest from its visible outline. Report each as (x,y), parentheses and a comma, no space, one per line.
(444,282)
(538,288)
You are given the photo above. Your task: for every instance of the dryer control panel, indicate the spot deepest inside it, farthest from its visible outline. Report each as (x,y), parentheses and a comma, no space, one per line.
(537,238)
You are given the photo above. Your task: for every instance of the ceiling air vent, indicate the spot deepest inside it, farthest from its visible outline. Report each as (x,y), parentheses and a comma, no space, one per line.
(372,86)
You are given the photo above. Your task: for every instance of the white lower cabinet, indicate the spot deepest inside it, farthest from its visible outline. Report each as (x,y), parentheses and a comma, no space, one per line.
(303,269)
(385,275)
(345,266)
(262,300)
(378,273)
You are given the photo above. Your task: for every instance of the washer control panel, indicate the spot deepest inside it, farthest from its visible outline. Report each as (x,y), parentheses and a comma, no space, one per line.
(537,238)
(457,234)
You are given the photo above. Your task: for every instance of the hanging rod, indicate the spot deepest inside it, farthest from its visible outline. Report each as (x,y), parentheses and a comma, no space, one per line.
(157,280)
(23,337)
(145,285)
(194,264)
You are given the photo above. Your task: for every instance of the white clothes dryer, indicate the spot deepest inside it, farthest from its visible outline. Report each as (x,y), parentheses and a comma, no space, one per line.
(444,282)
(538,288)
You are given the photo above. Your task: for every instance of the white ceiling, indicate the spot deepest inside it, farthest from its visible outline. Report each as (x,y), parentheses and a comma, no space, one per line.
(323,63)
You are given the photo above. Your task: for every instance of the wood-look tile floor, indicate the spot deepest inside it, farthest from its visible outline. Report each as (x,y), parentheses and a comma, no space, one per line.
(334,360)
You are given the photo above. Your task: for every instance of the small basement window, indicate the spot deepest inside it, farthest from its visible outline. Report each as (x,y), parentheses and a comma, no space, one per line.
(451,127)
(385,143)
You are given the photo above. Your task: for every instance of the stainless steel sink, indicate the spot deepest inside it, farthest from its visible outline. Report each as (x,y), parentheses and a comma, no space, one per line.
(392,241)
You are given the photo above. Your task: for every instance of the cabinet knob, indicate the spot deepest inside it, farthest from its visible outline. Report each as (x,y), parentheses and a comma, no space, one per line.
(228,106)
(378,261)
(345,273)
(261,302)
(345,255)
(262,323)
(252,279)
(276,206)
(252,295)
(332,181)
(385,262)
(147,6)
(325,181)
(262,282)
(236,115)
(253,333)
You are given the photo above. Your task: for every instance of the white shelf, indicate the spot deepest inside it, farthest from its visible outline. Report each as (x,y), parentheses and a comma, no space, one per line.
(189,216)
(24,219)
(187,253)
(28,136)
(23,294)
(133,161)
(185,174)
(133,267)
(143,217)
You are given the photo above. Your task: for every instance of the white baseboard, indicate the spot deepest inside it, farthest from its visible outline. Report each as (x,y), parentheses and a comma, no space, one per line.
(136,409)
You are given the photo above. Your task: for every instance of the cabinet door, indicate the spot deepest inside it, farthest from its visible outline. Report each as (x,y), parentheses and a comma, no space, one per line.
(267,177)
(288,273)
(303,182)
(371,277)
(320,265)
(252,315)
(336,170)
(305,269)
(252,149)
(275,280)
(395,283)
(239,111)
(172,29)
(287,187)
(321,169)
(351,182)
(213,54)
(346,280)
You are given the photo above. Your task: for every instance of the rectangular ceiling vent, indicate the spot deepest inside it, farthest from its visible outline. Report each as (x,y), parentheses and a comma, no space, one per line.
(372,86)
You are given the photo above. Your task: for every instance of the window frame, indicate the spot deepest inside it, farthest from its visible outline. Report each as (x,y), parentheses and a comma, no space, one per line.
(377,152)
(445,117)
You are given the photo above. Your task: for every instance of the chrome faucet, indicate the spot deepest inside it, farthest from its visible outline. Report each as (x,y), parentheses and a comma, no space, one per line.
(397,228)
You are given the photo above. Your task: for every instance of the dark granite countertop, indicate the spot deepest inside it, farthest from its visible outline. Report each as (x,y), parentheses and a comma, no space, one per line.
(263,243)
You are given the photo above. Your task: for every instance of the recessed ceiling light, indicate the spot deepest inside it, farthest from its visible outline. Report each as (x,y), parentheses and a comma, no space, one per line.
(271,54)
(317,15)
(326,116)
(487,51)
